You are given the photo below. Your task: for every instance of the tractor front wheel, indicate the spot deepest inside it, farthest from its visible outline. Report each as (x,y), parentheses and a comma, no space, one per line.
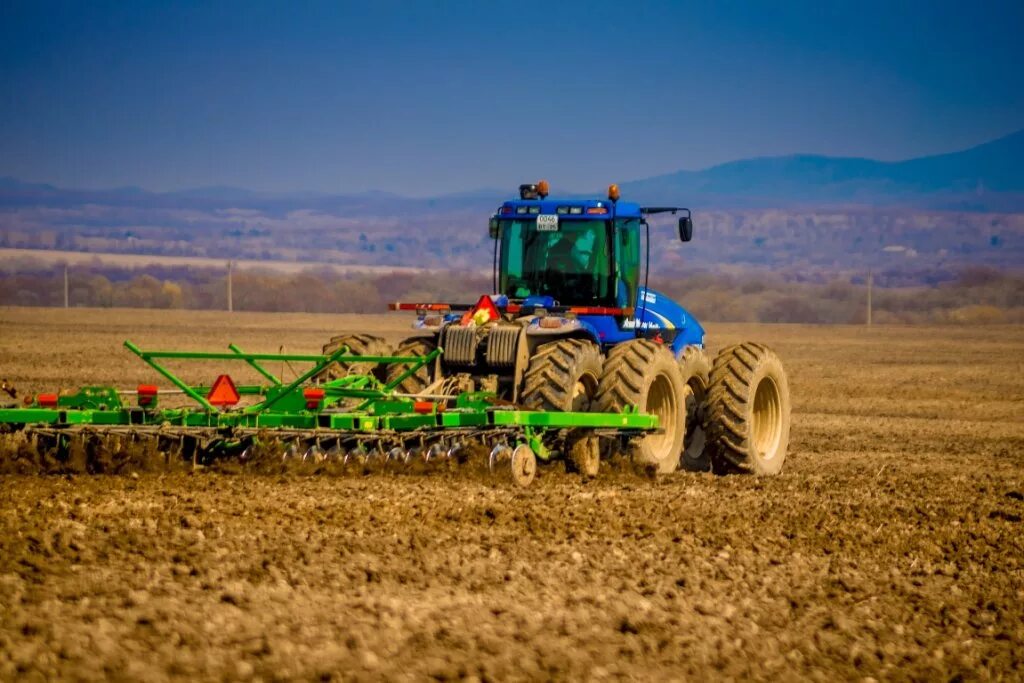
(644,374)
(421,379)
(562,376)
(358,345)
(746,417)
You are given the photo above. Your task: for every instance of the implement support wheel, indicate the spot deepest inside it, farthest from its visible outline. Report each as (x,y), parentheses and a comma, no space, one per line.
(584,456)
(519,465)
(747,412)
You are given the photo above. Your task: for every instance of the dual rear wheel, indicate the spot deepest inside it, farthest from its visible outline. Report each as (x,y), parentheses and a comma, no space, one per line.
(729,416)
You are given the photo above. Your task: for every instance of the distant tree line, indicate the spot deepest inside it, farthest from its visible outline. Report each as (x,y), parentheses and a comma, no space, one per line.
(977,295)
(453,235)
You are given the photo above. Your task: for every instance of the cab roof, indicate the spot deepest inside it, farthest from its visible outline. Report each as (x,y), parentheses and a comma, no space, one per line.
(564,208)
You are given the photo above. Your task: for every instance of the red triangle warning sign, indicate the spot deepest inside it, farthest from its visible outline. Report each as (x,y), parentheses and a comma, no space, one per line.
(484,312)
(223,392)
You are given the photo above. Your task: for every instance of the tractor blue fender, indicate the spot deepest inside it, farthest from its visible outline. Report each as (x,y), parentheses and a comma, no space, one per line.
(554,326)
(656,316)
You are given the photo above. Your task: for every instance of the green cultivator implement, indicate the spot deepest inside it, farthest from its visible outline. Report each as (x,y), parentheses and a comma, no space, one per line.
(353,421)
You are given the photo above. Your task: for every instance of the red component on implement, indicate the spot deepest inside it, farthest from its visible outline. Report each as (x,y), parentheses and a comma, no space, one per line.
(147,394)
(47,400)
(223,392)
(424,407)
(313,397)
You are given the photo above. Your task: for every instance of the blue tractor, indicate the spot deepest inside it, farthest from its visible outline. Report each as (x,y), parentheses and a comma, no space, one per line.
(572,325)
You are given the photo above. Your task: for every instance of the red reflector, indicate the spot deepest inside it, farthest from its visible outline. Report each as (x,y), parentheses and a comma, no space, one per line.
(223,392)
(313,397)
(506,209)
(47,400)
(424,407)
(597,209)
(147,394)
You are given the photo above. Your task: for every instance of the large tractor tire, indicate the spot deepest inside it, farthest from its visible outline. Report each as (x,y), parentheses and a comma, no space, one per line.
(421,379)
(747,411)
(359,345)
(644,374)
(562,376)
(695,367)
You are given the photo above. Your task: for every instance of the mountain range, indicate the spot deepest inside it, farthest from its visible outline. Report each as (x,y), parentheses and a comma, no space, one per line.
(988,177)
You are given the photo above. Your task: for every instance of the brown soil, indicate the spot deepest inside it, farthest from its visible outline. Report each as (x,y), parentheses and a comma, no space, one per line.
(890,547)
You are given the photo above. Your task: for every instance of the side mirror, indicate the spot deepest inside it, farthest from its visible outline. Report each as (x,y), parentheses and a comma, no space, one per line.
(685,229)
(492,228)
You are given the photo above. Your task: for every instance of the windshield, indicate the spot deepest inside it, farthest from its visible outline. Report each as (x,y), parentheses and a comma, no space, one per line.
(569,261)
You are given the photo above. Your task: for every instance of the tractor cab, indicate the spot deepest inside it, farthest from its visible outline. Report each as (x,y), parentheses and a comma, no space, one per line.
(576,252)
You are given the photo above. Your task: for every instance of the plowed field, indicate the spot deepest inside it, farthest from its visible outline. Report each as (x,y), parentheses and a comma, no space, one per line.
(891,547)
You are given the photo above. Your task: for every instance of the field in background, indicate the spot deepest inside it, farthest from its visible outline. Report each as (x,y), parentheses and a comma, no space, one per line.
(975,295)
(36,260)
(890,547)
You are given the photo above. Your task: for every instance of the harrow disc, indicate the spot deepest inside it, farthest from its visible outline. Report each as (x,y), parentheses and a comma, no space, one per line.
(399,456)
(314,454)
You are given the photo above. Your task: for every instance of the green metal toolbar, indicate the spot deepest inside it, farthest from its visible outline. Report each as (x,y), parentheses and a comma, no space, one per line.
(356,404)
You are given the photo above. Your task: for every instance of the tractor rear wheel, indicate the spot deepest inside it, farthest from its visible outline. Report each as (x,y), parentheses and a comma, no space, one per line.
(562,376)
(358,345)
(695,367)
(747,413)
(421,379)
(644,374)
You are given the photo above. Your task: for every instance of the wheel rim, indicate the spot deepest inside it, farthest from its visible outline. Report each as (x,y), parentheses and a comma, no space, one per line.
(662,401)
(766,426)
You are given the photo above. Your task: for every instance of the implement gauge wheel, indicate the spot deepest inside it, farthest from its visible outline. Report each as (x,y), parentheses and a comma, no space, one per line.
(421,379)
(359,345)
(746,417)
(562,376)
(644,374)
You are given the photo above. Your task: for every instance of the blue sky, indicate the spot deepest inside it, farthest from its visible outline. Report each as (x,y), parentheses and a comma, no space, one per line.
(432,97)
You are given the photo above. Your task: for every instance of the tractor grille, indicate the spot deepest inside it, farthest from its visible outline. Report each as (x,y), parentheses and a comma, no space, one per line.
(460,345)
(502,343)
